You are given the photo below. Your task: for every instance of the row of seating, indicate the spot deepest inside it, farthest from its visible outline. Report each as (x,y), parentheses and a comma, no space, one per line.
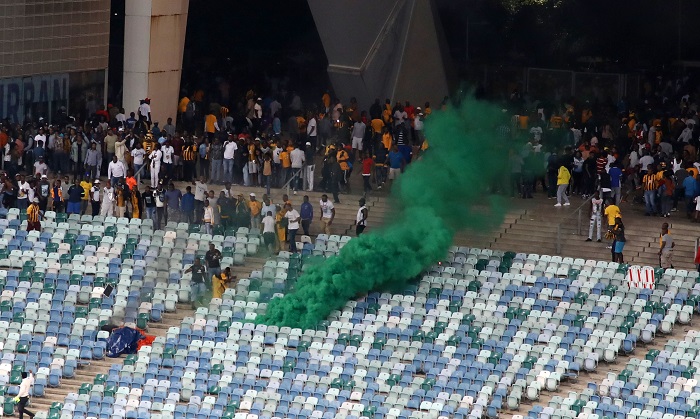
(447,346)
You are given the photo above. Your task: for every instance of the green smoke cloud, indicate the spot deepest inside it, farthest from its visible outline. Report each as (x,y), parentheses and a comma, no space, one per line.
(446,191)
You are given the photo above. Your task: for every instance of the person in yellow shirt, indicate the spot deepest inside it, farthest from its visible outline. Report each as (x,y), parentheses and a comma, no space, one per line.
(612,212)
(387,139)
(34,216)
(280,225)
(563,179)
(86,185)
(342,156)
(255,208)
(427,110)
(121,203)
(377,127)
(286,162)
(148,144)
(222,281)
(182,106)
(211,125)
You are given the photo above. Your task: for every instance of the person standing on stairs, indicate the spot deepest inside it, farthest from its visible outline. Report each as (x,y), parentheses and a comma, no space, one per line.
(666,250)
(563,179)
(23,396)
(596,212)
(361,219)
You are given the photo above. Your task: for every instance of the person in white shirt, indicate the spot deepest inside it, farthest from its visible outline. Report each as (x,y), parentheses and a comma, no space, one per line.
(116,171)
(23,198)
(361,218)
(269,236)
(293,219)
(311,131)
(230,148)
(95,197)
(108,198)
(121,117)
(596,212)
(156,156)
(40,167)
(40,137)
(23,395)
(145,111)
(138,153)
(297,158)
(168,153)
(327,213)
(358,133)
(200,194)
(208,217)
(645,161)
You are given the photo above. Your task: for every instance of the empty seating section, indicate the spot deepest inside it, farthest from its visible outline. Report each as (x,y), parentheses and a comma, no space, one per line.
(52,305)
(479,333)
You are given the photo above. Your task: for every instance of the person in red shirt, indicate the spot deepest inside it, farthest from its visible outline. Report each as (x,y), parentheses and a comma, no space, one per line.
(367,164)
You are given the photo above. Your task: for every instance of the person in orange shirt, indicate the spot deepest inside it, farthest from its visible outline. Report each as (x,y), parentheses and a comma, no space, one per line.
(286,162)
(377,125)
(326,100)
(387,139)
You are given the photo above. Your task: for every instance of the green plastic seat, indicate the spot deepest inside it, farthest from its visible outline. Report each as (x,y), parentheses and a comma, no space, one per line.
(131,359)
(5,306)
(56,407)
(100,379)
(18,317)
(16,377)
(428,384)
(288,366)
(343,339)
(95,303)
(337,383)
(232,406)
(393,379)
(168,353)
(215,390)
(652,354)
(110,391)
(379,343)
(85,388)
(224,326)
(355,340)
(110,231)
(81,312)
(22,348)
(75,279)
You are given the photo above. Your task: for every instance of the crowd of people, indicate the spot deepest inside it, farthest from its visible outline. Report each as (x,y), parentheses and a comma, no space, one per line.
(100,167)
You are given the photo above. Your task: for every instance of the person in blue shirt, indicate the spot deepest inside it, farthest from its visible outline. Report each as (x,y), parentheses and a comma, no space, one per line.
(187,205)
(690,189)
(615,173)
(307,214)
(396,163)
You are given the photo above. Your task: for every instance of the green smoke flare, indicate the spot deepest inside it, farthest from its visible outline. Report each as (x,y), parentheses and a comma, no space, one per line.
(446,191)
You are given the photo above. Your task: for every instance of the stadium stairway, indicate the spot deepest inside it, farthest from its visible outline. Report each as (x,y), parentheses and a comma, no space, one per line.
(87,373)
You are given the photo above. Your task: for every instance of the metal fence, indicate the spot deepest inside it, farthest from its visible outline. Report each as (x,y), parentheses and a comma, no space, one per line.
(553,84)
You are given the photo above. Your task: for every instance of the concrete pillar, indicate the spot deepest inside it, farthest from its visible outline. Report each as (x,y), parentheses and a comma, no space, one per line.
(397,50)
(154,41)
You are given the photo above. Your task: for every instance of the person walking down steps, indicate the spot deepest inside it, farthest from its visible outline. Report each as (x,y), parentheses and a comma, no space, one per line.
(596,213)
(23,395)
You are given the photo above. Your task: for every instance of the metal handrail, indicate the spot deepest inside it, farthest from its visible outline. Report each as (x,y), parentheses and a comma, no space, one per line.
(578,212)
